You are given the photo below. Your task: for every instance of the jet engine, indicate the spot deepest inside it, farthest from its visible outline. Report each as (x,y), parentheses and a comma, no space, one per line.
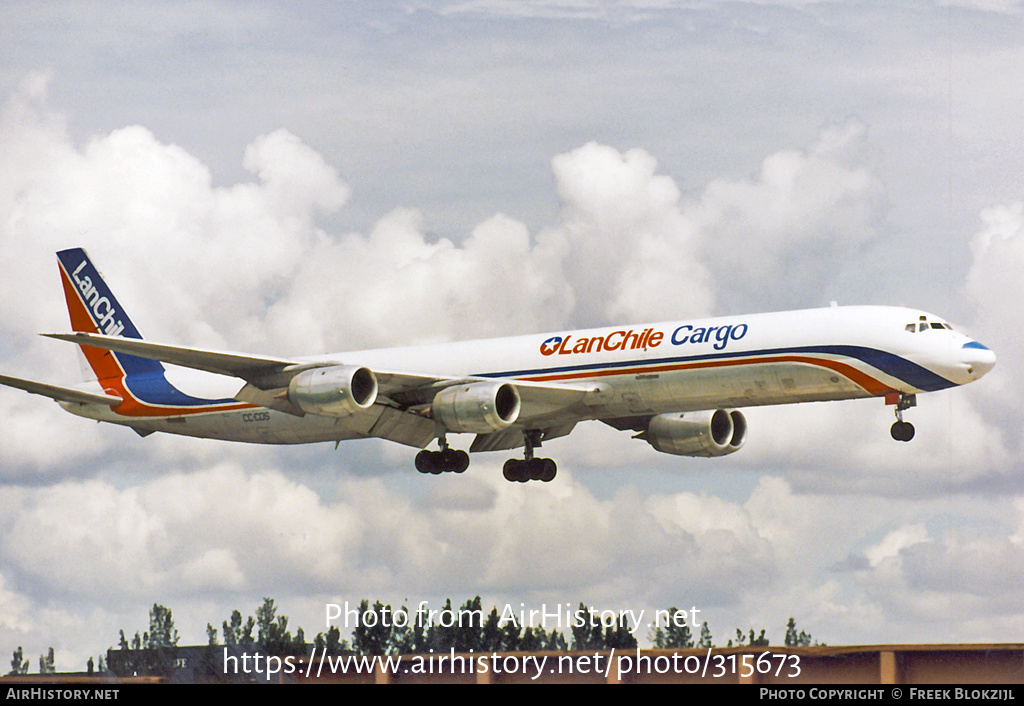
(709,433)
(335,391)
(479,407)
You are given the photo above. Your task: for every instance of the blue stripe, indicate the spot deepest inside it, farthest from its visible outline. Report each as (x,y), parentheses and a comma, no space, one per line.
(153,388)
(892,365)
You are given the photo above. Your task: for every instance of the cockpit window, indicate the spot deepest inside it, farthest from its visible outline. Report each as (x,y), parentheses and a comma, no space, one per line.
(925,325)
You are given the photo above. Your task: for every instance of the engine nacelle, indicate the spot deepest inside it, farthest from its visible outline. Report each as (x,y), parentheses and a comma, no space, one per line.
(335,391)
(478,408)
(709,433)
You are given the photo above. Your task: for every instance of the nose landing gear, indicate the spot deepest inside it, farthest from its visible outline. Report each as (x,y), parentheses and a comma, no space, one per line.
(901,430)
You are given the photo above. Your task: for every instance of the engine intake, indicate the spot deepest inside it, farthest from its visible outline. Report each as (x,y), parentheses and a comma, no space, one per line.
(708,433)
(478,408)
(336,391)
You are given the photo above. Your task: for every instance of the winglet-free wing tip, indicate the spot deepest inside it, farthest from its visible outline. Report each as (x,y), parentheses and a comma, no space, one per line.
(58,393)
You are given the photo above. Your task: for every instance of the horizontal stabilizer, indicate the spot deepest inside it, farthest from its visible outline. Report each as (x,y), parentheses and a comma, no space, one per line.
(62,394)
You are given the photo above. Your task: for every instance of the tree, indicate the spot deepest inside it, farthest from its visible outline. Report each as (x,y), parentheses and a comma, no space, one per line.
(676,633)
(273,634)
(238,633)
(705,636)
(331,643)
(161,628)
(750,639)
(19,665)
(587,633)
(556,642)
(619,635)
(510,636)
(490,633)
(372,635)
(150,654)
(46,663)
(597,636)
(410,636)
(468,628)
(440,636)
(795,639)
(580,629)
(532,639)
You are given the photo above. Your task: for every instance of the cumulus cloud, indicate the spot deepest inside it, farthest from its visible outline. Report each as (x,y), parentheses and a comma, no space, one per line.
(797,221)
(230,533)
(956,447)
(248,266)
(636,248)
(251,266)
(997,255)
(958,582)
(628,249)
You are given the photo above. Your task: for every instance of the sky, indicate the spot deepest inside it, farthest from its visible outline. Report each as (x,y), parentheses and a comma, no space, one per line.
(302,178)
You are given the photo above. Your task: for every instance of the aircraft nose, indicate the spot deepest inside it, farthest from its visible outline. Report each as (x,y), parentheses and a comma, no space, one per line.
(977,358)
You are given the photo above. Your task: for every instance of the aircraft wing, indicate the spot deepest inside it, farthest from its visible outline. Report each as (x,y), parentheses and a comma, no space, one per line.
(262,372)
(61,394)
(268,377)
(233,364)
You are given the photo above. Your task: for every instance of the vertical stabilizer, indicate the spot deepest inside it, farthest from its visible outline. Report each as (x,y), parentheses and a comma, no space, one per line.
(94,309)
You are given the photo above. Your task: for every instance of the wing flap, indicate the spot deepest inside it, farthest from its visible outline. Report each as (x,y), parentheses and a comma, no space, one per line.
(404,428)
(512,438)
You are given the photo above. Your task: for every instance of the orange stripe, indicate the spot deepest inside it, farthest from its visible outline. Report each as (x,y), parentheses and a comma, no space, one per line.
(870,384)
(111,375)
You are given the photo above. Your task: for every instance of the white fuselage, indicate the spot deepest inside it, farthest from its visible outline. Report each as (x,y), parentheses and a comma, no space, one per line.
(738,361)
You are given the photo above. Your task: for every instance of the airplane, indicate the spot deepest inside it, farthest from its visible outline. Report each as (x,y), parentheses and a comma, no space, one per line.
(676,384)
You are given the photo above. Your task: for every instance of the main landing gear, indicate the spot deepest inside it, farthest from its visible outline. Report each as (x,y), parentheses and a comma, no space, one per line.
(446,460)
(530,468)
(901,430)
(449,460)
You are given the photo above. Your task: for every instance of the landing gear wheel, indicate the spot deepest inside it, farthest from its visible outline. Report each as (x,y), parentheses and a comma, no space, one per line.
(548,469)
(444,461)
(425,461)
(521,471)
(514,471)
(902,431)
(459,461)
(530,468)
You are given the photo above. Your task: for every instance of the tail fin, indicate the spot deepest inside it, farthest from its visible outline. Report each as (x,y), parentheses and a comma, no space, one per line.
(94,309)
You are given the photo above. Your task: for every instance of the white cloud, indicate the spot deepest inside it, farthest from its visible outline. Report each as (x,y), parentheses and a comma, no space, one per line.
(895,542)
(251,266)
(779,238)
(628,249)
(846,446)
